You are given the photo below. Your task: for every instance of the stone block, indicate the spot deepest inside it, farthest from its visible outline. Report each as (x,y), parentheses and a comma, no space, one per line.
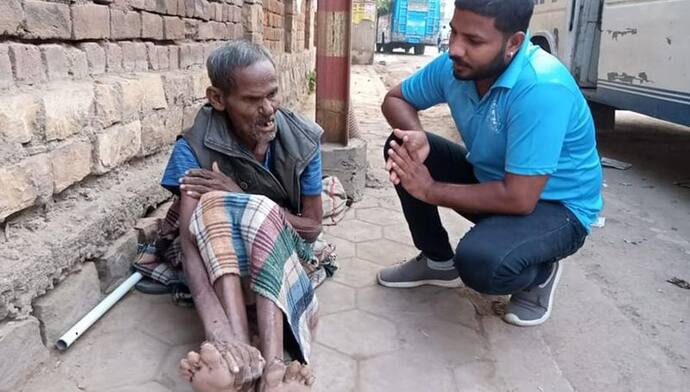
(117,260)
(68,302)
(147,229)
(108,103)
(67,107)
(117,145)
(152,56)
(348,163)
(46,20)
(134,57)
(124,24)
(173,28)
(6,77)
(200,82)
(27,64)
(95,57)
(142,94)
(163,54)
(18,114)
(174,61)
(23,350)
(77,63)
(23,184)
(90,21)
(70,163)
(113,57)
(178,89)
(205,31)
(11,17)
(151,26)
(170,7)
(155,134)
(55,61)
(191,55)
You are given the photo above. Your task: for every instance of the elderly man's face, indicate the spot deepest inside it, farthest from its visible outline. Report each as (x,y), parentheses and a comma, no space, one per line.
(252,105)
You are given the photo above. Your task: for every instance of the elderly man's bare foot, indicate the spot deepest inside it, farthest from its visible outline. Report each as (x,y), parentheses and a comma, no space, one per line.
(222,367)
(294,377)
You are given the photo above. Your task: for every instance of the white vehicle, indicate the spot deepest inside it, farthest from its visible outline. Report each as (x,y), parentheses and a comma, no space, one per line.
(624,54)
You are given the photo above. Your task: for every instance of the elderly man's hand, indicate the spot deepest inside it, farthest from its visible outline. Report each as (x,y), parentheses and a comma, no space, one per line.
(196,182)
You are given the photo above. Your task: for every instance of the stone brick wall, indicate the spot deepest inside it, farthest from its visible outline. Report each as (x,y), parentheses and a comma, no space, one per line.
(92,95)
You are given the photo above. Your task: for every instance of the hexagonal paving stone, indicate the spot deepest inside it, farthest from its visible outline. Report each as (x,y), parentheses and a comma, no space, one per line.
(366,202)
(168,374)
(148,387)
(356,273)
(391,202)
(455,224)
(125,315)
(479,376)
(114,360)
(357,334)
(47,380)
(173,324)
(335,297)
(385,252)
(343,248)
(381,216)
(440,342)
(334,372)
(354,230)
(453,307)
(398,233)
(404,371)
(396,304)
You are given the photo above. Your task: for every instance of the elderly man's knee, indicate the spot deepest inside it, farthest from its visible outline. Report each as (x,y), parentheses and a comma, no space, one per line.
(476,264)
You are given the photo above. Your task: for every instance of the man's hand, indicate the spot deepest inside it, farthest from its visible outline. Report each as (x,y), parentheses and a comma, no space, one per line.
(415,142)
(408,169)
(196,182)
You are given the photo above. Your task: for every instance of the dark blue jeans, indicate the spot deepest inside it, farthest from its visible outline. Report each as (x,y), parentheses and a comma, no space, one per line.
(501,254)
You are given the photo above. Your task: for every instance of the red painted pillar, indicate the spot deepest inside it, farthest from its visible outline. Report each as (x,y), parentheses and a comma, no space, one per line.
(333,25)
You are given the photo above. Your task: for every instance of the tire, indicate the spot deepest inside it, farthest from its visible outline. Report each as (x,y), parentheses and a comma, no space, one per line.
(419,49)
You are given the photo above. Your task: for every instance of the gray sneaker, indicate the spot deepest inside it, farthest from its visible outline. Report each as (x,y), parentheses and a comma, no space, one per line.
(415,273)
(533,307)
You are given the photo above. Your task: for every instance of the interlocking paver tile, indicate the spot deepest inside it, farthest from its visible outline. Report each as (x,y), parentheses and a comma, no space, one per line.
(380,216)
(397,304)
(439,342)
(334,371)
(114,360)
(148,387)
(453,307)
(354,230)
(479,376)
(357,334)
(356,273)
(398,233)
(343,248)
(404,371)
(335,297)
(168,370)
(385,252)
(173,324)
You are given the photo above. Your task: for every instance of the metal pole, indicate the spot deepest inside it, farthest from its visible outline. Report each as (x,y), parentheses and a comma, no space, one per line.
(99,310)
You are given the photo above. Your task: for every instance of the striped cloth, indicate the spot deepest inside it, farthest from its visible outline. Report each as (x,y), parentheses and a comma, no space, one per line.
(248,235)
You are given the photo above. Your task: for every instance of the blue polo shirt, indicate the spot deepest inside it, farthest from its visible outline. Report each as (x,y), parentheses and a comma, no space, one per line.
(533,121)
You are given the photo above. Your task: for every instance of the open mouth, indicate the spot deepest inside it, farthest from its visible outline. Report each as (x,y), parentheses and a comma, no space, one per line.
(266,125)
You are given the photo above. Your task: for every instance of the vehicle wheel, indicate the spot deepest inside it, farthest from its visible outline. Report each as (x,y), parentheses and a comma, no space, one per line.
(419,49)
(379,48)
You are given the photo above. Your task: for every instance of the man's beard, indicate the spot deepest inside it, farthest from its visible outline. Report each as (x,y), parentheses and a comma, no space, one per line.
(490,71)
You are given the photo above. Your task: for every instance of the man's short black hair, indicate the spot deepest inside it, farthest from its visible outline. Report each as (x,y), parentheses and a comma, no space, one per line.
(510,16)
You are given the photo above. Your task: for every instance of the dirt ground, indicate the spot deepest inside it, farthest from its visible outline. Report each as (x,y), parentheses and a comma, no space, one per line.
(645,241)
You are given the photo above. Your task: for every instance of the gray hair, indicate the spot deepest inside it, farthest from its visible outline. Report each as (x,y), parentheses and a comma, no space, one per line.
(226,60)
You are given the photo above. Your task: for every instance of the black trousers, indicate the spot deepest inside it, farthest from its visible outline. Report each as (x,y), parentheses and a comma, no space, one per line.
(501,254)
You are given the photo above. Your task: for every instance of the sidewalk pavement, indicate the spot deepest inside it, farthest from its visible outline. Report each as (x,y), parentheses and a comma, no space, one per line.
(370,338)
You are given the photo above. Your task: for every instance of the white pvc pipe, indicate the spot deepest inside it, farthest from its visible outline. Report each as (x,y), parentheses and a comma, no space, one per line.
(99,310)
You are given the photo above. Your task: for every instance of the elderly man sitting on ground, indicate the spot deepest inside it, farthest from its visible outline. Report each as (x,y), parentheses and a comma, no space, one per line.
(249,179)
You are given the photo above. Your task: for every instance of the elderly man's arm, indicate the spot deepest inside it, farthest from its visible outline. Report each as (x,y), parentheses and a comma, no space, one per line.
(308,224)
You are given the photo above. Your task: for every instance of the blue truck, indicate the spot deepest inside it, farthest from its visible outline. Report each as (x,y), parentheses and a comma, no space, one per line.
(411,24)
